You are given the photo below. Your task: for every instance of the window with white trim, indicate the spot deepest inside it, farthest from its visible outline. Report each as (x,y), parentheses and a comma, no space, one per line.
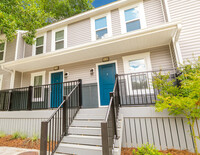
(101,27)
(138,80)
(132,18)
(37,80)
(39,45)
(2,51)
(59,40)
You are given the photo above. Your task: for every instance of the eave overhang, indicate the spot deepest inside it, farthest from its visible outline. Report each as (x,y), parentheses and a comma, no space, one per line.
(133,41)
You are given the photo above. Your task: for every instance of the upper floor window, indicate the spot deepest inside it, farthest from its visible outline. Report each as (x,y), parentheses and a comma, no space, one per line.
(40,45)
(59,39)
(132,18)
(2,51)
(101,27)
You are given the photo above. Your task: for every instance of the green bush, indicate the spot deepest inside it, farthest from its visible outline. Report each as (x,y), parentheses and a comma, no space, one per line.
(2,134)
(34,138)
(147,149)
(23,136)
(15,135)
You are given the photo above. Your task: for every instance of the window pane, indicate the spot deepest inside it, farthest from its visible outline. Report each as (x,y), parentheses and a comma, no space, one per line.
(100,23)
(59,35)
(101,34)
(1,56)
(39,50)
(2,46)
(139,81)
(137,65)
(39,41)
(38,80)
(131,14)
(131,26)
(59,45)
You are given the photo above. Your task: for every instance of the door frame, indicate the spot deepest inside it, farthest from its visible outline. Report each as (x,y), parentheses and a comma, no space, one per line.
(97,76)
(51,72)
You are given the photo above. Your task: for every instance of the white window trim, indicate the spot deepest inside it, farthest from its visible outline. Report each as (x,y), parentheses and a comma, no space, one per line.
(140,6)
(44,44)
(109,25)
(53,38)
(4,53)
(1,82)
(43,73)
(147,58)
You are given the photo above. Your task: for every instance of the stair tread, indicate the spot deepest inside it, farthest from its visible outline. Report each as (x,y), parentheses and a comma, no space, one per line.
(83,136)
(80,146)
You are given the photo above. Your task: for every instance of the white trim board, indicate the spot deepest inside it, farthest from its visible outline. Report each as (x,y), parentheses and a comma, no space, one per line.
(97,77)
(1,81)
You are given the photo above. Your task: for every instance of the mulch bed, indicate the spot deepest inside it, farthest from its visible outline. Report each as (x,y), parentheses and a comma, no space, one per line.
(128,151)
(20,143)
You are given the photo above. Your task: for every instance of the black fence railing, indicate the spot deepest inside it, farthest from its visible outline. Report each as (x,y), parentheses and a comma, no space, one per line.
(109,126)
(56,127)
(35,97)
(137,88)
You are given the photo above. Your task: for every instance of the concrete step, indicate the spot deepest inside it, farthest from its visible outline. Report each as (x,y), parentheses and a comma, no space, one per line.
(95,111)
(86,123)
(89,117)
(84,131)
(78,149)
(83,140)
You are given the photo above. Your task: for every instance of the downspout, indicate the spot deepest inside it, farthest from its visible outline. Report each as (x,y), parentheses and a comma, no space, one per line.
(12,72)
(175,41)
(166,10)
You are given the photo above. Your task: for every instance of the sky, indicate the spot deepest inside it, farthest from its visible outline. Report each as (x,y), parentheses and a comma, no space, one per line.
(98,3)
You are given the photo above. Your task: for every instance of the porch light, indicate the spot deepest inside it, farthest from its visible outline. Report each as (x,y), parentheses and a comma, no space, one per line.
(66,74)
(91,71)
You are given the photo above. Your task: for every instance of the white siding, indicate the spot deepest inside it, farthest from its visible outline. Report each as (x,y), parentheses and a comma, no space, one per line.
(153,12)
(116,26)
(189,13)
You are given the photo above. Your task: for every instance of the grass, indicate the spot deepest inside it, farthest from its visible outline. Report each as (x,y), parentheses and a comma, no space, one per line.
(34,138)
(15,135)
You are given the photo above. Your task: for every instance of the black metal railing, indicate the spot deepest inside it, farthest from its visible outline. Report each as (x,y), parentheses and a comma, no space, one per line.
(35,97)
(109,126)
(137,88)
(56,127)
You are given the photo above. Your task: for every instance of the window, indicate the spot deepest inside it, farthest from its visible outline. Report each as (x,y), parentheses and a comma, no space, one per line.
(101,27)
(132,18)
(39,45)
(59,39)
(2,51)
(37,80)
(137,80)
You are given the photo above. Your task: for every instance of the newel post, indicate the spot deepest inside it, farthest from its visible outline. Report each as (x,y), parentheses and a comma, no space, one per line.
(43,140)
(118,94)
(80,93)
(65,115)
(30,93)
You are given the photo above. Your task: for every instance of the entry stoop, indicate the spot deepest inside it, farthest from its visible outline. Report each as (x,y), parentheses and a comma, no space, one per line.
(84,134)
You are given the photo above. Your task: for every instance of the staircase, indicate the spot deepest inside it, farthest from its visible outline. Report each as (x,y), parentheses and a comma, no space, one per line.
(84,135)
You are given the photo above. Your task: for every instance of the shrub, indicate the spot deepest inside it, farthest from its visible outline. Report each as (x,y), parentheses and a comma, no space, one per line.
(147,149)
(23,136)
(2,134)
(15,135)
(34,138)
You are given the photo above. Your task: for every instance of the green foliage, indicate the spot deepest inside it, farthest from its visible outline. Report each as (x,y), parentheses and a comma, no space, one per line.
(34,138)
(23,136)
(146,149)
(29,15)
(15,135)
(183,99)
(2,134)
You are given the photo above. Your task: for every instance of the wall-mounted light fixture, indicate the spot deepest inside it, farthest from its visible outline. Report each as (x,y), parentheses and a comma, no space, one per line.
(91,71)
(66,74)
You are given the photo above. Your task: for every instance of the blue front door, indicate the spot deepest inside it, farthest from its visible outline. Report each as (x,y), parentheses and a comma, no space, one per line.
(56,89)
(106,82)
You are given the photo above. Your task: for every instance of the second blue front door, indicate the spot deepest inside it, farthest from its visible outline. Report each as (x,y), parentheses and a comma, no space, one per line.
(56,89)
(106,82)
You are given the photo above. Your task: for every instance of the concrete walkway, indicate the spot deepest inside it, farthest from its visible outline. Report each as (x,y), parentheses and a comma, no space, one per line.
(17,151)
